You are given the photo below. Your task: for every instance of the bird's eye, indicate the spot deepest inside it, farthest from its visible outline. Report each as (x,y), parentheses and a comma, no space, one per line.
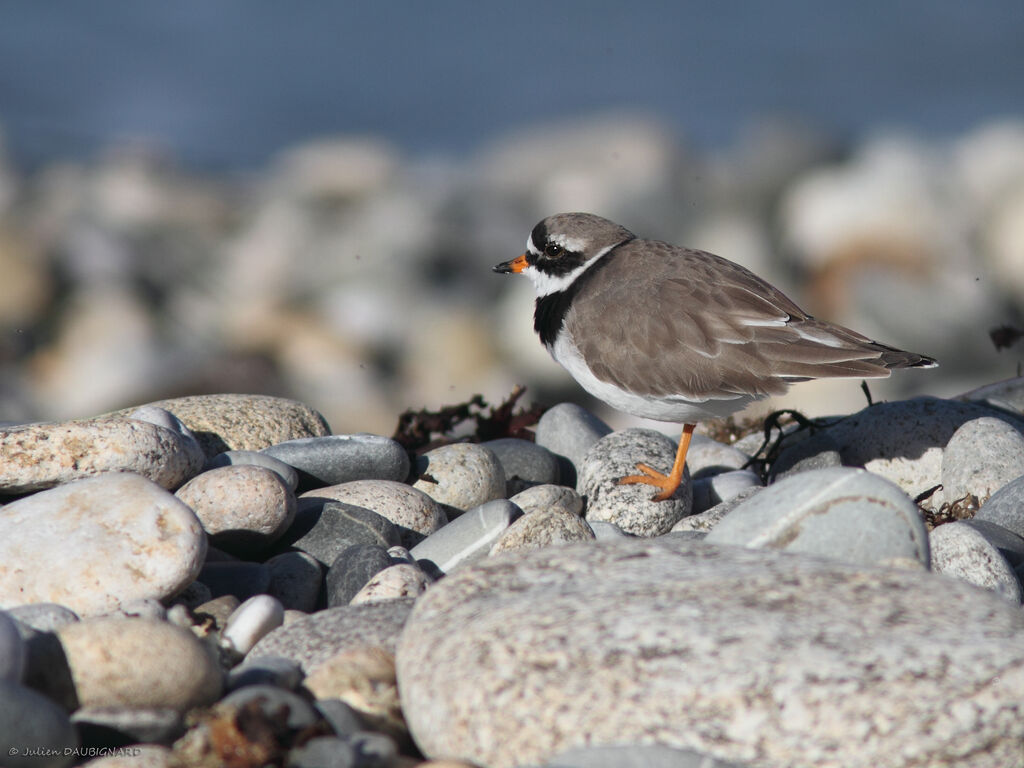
(553,251)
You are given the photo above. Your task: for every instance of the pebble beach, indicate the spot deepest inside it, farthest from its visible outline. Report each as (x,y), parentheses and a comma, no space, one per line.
(217,548)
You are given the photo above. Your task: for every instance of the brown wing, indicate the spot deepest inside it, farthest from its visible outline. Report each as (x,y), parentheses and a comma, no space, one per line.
(663,320)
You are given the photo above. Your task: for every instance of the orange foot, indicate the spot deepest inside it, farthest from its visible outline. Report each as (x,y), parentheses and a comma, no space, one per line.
(667,483)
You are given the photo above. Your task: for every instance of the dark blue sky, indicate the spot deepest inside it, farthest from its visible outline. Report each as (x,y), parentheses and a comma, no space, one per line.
(226,83)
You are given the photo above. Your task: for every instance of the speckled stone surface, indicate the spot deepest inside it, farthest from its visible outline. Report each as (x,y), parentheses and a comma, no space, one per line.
(544,528)
(461,475)
(735,652)
(983,455)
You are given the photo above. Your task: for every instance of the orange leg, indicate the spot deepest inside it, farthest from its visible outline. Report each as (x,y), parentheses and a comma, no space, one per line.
(667,483)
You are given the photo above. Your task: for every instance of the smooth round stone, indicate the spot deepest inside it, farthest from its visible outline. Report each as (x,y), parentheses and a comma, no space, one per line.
(550,527)
(903,441)
(12,649)
(269,670)
(982,456)
(43,617)
(525,463)
(326,529)
(377,749)
(46,667)
(841,513)
(244,508)
(336,459)
(323,752)
(664,642)
(121,726)
(607,531)
(244,422)
(1006,507)
(276,704)
(631,507)
(94,544)
(711,490)
(363,678)
(31,723)
(295,580)
(980,553)
(238,579)
(817,451)
(705,521)
(352,569)
(461,475)
(162,418)
(256,459)
(707,457)
(342,718)
(392,583)
(319,636)
(466,538)
(1005,395)
(113,664)
(40,456)
(251,621)
(636,756)
(414,513)
(541,497)
(569,430)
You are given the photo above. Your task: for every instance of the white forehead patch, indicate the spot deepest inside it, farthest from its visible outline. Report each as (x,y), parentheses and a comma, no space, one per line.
(571,244)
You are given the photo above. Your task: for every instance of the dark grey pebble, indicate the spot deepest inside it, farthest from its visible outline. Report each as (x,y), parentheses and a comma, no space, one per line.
(46,668)
(337,459)
(121,726)
(323,752)
(240,579)
(286,472)
(269,670)
(352,569)
(1006,507)
(373,749)
(569,430)
(818,451)
(296,579)
(344,720)
(12,649)
(325,529)
(526,464)
(465,538)
(30,720)
(271,700)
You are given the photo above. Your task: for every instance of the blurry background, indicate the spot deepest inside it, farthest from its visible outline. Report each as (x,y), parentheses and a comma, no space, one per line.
(305,199)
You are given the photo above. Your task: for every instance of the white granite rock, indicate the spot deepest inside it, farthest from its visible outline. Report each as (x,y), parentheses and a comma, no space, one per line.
(460,475)
(980,553)
(401,580)
(541,497)
(97,543)
(544,528)
(983,455)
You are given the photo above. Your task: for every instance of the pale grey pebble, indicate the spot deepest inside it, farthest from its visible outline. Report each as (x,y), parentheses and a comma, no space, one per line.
(351,570)
(526,464)
(809,451)
(394,582)
(466,538)
(549,527)
(711,490)
(706,457)
(1006,395)
(43,455)
(143,608)
(705,521)
(336,459)
(631,507)
(46,667)
(286,472)
(180,616)
(141,756)
(569,430)
(29,720)
(43,617)
(400,554)
(296,579)
(321,635)
(983,455)
(323,752)
(139,663)
(272,701)
(1005,507)
(629,625)
(340,716)
(413,512)
(544,496)
(980,553)
(268,670)
(840,513)
(243,508)
(374,749)
(636,756)
(240,579)
(251,622)
(101,726)
(12,649)
(106,527)
(606,531)
(162,418)
(325,529)
(460,475)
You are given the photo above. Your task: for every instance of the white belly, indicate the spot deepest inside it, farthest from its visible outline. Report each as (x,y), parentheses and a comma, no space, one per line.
(675,408)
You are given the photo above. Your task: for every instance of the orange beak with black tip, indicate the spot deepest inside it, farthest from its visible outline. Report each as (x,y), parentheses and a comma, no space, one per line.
(516,265)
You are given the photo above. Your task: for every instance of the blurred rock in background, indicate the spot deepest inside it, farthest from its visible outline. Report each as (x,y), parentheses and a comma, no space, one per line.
(359,280)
